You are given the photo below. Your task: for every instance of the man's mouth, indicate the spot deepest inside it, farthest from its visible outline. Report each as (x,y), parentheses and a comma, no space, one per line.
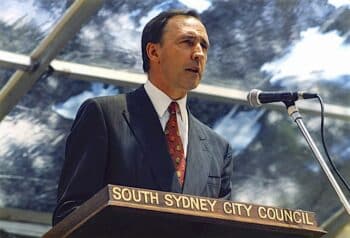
(193,70)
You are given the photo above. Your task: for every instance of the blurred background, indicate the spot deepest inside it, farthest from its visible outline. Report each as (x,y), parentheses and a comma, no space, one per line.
(267,44)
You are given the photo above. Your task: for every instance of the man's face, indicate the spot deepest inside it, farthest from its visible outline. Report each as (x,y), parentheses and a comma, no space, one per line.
(182,55)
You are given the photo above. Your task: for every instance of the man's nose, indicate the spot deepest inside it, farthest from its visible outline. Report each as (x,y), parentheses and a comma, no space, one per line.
(198,52)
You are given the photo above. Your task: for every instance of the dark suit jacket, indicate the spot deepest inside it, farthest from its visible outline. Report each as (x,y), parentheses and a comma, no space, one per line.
(119,140)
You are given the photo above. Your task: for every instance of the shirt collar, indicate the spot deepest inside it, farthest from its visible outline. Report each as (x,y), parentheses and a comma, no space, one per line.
(161,101)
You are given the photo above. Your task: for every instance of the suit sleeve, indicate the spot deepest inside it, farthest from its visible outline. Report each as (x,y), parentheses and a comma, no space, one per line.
(85,160)
(226,176)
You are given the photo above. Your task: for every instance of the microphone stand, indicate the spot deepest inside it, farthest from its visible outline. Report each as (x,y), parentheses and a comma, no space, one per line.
(293,112)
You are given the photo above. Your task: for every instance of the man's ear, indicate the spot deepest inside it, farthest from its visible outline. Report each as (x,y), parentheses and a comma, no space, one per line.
(152,50)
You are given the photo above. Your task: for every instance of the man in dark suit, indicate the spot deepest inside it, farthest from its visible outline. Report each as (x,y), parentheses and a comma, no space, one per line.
(148,138)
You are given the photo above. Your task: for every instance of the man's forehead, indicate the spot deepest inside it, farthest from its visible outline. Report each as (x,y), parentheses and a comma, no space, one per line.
(186,25)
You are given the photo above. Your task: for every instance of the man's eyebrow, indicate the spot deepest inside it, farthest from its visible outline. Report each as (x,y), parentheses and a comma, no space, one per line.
(193,36)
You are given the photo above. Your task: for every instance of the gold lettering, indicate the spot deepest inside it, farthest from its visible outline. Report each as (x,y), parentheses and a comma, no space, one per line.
(178,200)
(247,209)
(279,212)
(136,195)
(186,202)
(237,208)
(145,196)
(303,216)
(307,220)
(168,201)
(233,207)
(288,216)
(238,205)
(116,193)
(297,220)
(207,205)
(126,195)
(154,198)
(203,204)
(269,212)
(227,207)
(212,204)
(194,203)
(262,210)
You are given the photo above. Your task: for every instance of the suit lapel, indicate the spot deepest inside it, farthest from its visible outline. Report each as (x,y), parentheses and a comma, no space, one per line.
(144,122)
(198,159)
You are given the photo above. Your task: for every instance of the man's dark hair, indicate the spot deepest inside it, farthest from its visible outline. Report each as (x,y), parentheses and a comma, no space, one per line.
(154,30)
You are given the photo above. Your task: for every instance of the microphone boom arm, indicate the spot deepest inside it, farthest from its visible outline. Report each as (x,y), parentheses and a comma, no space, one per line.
(293,112)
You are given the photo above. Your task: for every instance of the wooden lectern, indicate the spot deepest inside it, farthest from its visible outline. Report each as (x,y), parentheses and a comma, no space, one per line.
(118,211)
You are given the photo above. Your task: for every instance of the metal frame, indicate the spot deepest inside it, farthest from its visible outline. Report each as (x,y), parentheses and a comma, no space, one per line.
(24,229)
(22,81)
(29,70)
(15,61)
(24,222)
(123,78)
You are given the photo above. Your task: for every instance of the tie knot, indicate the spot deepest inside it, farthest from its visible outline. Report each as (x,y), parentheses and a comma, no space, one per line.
(172,107)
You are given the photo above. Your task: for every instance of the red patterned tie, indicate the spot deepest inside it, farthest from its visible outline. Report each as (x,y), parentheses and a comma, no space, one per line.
(175,146)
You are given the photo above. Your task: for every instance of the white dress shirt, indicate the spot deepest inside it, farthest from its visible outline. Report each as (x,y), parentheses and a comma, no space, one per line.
(161,102)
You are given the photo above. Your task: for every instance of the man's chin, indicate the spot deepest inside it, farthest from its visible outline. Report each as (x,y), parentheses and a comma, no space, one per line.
(193,85)
(190,83)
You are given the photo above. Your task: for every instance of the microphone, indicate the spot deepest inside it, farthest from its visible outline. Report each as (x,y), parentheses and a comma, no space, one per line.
(257,97)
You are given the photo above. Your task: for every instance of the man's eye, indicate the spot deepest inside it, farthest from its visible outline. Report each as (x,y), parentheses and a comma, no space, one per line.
(189,42)
(204,46)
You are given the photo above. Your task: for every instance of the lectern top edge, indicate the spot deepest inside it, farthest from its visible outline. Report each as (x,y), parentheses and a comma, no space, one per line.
(119,202)
(212,208)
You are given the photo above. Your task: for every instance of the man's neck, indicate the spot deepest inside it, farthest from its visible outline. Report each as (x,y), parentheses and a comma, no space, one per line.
(172,93)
